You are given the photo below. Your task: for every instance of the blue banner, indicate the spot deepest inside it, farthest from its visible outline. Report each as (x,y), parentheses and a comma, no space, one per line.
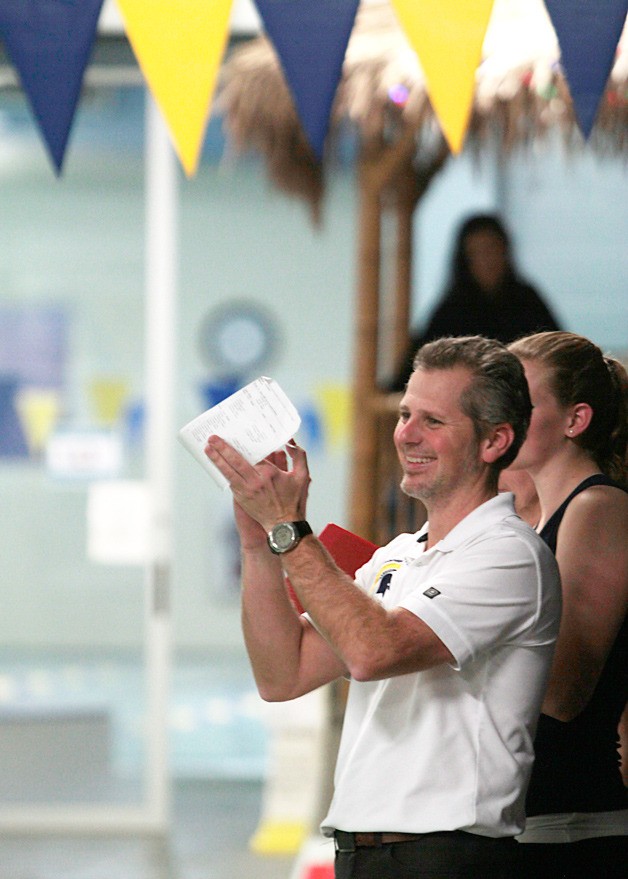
(311,40)
(588,32)
(49,42)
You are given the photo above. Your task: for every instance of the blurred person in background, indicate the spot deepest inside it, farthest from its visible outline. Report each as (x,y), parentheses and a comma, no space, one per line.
(486,295)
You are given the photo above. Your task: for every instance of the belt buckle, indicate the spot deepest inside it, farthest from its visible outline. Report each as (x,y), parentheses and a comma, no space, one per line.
(344,841)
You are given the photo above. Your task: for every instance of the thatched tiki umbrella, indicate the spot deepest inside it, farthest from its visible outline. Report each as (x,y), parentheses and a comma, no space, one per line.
(520,95)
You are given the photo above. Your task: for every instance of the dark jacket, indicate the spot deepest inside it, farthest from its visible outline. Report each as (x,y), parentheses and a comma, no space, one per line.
(515,310)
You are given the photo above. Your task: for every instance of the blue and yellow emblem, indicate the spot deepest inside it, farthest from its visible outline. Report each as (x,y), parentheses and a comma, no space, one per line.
(381,583)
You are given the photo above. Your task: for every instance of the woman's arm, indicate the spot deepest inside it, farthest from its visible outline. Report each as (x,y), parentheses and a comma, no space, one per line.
(592,555)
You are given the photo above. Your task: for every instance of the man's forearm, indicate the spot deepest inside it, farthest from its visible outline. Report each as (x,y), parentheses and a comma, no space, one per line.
(339,609)
(270,623)
(369,641)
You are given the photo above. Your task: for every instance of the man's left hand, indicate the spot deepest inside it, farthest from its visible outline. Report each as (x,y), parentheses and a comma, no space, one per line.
(269,492)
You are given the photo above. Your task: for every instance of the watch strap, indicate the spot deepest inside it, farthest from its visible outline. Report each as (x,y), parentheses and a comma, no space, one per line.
(303,528)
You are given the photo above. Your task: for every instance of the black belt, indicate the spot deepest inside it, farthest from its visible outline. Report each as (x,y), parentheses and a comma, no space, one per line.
(348,842)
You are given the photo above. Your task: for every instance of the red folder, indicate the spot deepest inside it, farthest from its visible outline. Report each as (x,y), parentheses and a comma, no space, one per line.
(348,550)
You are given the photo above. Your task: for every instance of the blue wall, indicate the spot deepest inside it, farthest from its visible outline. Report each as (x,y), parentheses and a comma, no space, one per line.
(568,215)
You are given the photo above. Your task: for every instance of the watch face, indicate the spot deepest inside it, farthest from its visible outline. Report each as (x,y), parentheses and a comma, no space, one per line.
(283,536)
(286,535)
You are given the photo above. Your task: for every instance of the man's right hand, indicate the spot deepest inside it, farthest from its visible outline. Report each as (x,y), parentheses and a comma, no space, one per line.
(252,535)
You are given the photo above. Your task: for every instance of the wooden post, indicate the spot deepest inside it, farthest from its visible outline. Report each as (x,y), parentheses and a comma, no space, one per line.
(410,185)
(365,350)
(385,171)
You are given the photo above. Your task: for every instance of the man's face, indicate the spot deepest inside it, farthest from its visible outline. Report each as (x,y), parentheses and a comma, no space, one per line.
(435,441)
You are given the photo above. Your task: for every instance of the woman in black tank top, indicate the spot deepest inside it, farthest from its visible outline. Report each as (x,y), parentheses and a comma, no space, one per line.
(575,453)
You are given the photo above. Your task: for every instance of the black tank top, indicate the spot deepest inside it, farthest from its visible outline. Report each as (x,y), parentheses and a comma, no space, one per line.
(577,767)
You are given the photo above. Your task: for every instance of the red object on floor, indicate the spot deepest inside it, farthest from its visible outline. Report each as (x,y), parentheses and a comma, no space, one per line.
(320,871)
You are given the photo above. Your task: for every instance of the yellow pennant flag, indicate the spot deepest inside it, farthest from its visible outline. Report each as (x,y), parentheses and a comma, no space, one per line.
(108,396)
(179,46)
(38,409)
(447,36)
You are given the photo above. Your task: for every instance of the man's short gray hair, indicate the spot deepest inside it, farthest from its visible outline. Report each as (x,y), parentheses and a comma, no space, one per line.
(498,392)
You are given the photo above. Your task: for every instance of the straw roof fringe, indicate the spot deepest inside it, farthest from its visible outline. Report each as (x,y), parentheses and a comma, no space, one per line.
(260,117)
(521,95)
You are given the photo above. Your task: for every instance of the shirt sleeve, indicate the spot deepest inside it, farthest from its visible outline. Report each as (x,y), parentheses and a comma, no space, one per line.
(478,598)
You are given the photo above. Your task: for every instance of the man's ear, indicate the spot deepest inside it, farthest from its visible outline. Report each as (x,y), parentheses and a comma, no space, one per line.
(497,443)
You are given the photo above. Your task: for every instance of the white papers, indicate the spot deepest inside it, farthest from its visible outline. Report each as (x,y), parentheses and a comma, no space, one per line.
(256,420)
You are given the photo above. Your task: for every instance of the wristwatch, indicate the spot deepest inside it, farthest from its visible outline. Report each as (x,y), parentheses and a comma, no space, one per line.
(285,536)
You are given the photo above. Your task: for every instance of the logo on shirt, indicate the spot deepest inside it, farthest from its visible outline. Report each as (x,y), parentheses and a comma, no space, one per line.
(384,576)
(432,592)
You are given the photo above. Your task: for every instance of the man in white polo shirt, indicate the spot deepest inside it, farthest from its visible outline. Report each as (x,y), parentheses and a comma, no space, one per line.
(446,635)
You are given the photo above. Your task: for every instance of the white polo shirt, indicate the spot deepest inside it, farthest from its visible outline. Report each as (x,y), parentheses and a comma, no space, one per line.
(450,748)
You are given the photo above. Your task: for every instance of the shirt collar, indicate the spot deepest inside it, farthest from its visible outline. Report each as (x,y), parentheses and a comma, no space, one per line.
(479,520)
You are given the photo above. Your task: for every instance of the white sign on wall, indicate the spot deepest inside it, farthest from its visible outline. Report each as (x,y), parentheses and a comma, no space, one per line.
(118,522)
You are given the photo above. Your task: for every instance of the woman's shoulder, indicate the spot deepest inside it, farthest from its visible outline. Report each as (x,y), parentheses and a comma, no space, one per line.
(592,549)
(602,493)
(598,507)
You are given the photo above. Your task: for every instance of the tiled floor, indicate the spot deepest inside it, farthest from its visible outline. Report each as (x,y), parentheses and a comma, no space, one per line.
(213,822)
(219,737)
(216,728)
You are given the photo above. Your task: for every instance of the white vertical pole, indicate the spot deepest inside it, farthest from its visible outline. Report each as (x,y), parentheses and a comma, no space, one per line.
(161,288)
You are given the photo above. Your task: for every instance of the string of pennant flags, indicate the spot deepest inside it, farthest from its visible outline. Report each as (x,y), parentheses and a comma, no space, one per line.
(179,46)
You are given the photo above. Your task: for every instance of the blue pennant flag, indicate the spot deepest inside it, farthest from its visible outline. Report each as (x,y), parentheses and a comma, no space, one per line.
(311,38)
(588,32)
(49,42)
